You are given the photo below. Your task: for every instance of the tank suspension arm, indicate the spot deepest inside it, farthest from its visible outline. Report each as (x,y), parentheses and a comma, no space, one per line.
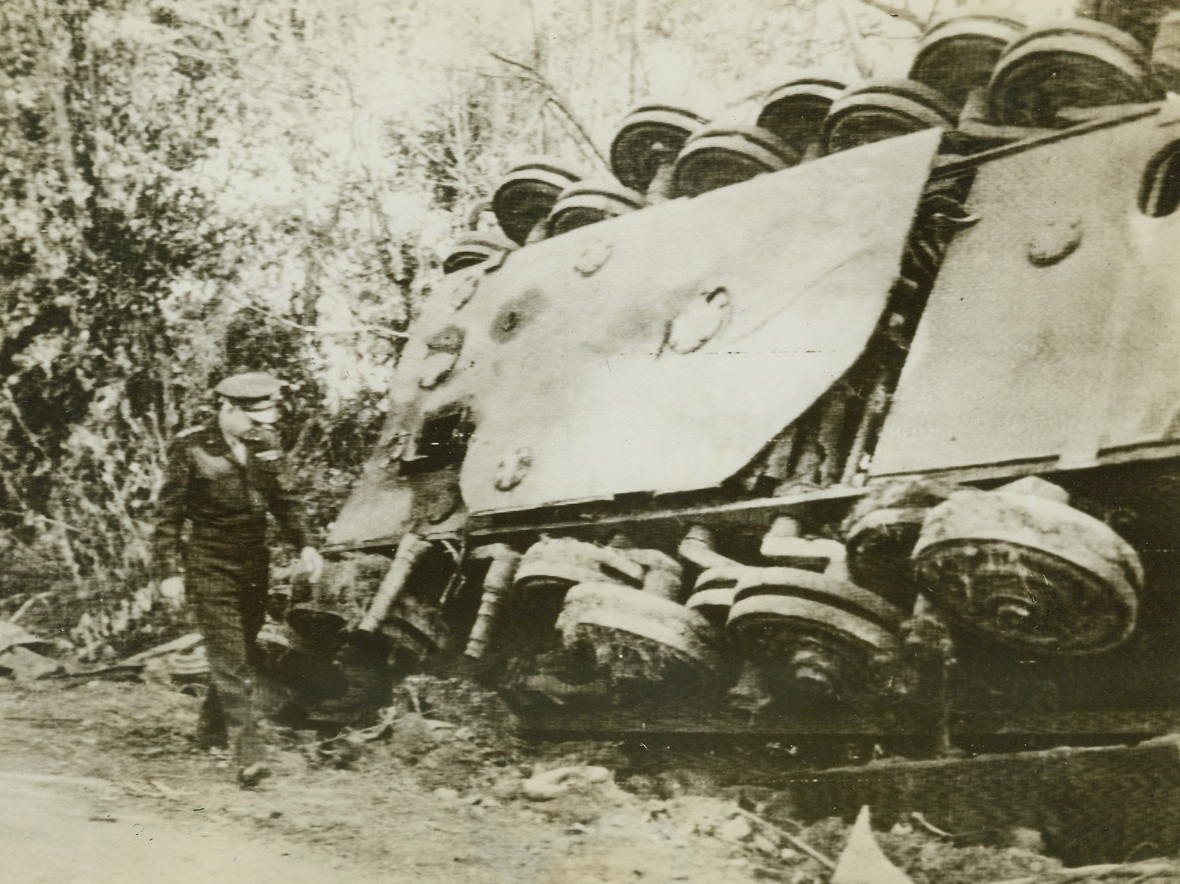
(660,189)
(870,424)
(931,651)
(496,584)
(697,547)
(410,550)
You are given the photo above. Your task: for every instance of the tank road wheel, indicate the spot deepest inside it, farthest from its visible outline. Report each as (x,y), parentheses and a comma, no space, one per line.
(720,155)
(317,632)
(562,562)
(1165,53)
(883,109)
(1139,18)
(475,248)
(650,137)
(714,591)
(639,641)
(957,55)
(881,532)
(1073,64)
(812,635)
(551,566)
(1029,572)
(795,111)
(590,202)
(783,544)
(526,195)
(475,218)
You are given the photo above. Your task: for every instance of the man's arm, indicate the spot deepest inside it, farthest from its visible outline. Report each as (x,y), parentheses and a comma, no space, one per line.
(287,505)
(284,502)
(171,511)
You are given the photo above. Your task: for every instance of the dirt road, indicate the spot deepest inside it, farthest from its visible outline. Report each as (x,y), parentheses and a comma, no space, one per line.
(71,830)
(100,783)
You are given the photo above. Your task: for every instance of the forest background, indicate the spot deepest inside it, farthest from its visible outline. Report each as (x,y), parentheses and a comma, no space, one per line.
(194,187)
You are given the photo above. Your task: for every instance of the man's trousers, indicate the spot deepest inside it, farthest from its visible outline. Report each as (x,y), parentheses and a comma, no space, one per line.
(227,588)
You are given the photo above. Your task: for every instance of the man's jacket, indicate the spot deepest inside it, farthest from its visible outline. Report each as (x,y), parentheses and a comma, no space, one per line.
(224,501)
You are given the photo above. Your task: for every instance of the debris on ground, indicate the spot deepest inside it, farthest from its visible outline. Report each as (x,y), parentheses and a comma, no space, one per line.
(453,747)
(552,784)
(186,643)
(863,861)
(24,665)
(23,655)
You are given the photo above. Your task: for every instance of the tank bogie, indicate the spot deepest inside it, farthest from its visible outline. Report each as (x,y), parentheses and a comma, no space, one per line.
(648,141)
(957,55)
(1072,64)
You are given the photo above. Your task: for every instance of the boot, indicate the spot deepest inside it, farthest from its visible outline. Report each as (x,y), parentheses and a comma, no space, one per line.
(250,756)
(212,732)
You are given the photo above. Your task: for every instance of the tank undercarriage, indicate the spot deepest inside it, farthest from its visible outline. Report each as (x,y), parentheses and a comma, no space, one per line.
(852,415)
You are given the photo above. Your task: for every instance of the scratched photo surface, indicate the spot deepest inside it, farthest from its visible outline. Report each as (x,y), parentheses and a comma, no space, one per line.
(554,441)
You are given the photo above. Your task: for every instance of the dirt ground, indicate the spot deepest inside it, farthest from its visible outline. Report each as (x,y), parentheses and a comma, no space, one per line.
(101,782)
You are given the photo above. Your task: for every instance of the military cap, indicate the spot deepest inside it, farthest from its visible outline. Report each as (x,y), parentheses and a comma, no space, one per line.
(255,392)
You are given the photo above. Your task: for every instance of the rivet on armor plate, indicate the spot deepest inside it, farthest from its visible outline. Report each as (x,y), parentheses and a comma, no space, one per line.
(437,367)
(441,357)
(1054,242)
(593,256)
(699,321)
(397,446)
(463,292)
(511,471)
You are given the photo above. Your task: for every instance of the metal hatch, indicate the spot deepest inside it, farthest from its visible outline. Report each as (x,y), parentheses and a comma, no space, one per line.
(1052,335)
(656,352)
(659,352)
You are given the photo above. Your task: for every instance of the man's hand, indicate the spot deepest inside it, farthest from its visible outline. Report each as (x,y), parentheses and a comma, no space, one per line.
(172,591)
(312,562)
(277,606)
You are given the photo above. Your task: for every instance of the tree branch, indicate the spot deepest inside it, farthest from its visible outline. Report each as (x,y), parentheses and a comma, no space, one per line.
(306,329)
(864,64)
(372,192)
(902,12)
(556,100)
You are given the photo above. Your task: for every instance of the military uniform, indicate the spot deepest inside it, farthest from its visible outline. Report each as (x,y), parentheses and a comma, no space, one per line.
(225,498)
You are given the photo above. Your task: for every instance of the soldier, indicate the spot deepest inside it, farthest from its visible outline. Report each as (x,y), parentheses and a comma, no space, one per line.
(222,479)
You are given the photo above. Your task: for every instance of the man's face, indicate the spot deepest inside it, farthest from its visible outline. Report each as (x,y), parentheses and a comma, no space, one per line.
(242,423)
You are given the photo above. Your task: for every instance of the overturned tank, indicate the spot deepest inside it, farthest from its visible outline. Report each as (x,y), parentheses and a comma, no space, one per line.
(859,414)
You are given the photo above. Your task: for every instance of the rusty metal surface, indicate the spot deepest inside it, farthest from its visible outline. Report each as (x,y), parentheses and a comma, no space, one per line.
(593,362)
(1053,331)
